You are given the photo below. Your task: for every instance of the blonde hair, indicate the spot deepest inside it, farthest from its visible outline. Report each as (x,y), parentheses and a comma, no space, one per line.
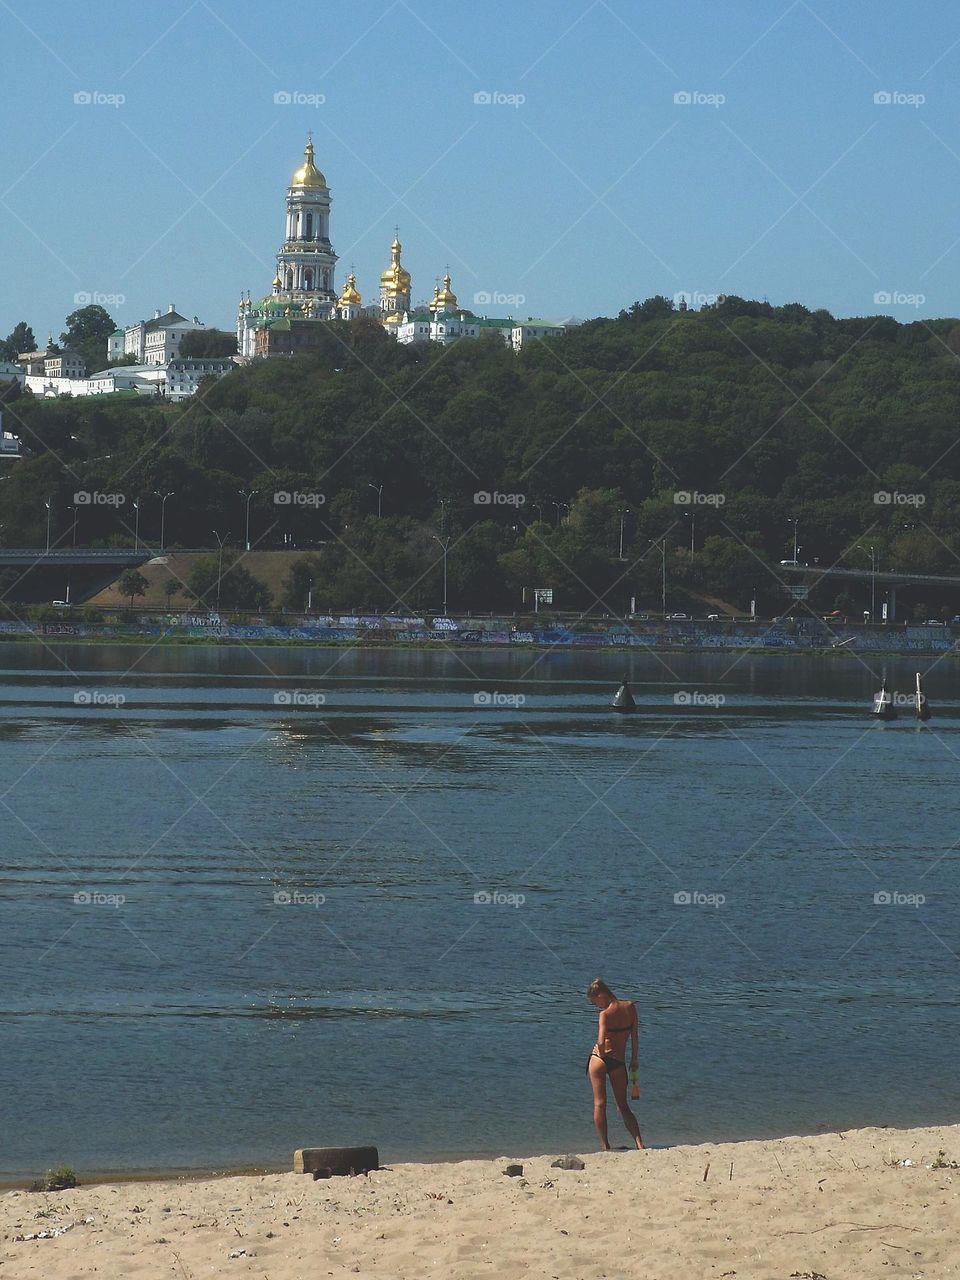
(599,988)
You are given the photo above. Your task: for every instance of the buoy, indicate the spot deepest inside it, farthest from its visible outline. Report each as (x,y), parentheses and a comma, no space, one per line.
(883,708)
(923,706)
(623,699)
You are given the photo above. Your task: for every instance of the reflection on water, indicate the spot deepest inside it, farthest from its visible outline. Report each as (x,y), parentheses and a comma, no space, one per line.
(231,924)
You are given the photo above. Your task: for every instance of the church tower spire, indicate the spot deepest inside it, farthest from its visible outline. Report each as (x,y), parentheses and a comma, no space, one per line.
(306,261)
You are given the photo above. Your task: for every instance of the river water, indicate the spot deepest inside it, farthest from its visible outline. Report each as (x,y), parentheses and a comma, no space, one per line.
(287,897)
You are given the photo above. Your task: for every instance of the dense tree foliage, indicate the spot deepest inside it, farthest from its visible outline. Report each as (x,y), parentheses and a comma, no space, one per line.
(211,344)
(87,332)
(19,341)
(712,430)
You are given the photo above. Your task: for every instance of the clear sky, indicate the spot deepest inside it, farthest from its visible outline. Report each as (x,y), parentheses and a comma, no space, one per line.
(581,187)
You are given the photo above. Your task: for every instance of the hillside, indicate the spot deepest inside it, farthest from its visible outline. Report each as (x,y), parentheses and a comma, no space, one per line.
(715,430)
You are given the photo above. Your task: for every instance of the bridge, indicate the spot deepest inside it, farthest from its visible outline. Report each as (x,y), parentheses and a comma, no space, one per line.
(58,557)
(889,580)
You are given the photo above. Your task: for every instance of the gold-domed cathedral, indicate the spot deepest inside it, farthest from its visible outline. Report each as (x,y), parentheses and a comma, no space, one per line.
(394,288)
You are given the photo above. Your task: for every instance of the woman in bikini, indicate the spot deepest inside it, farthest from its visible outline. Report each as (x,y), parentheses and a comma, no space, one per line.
(618,1019)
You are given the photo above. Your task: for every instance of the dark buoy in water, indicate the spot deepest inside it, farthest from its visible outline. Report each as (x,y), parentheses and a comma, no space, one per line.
(923,706)
(623,699)
(883,708)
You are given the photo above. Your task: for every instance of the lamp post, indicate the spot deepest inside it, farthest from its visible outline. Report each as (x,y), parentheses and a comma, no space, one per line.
(378,490)
(662,543)
(796,549)
(561,506)
(249,495)
(76,522)
(136,526)
(692,517)
(445,543)
(443,512)
(624,511)
(48,503)
(220,541)
(163,511)
(873,577)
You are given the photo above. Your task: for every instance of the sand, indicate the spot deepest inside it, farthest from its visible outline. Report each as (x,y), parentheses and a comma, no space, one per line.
(838,1206)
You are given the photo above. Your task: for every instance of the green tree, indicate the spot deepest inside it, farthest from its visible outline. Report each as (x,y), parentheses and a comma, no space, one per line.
(208,344)
(237,589)
(87,332)
(132,583)
(20,340)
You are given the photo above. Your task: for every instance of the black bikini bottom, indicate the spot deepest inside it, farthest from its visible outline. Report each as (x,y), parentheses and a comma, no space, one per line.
(609,1061)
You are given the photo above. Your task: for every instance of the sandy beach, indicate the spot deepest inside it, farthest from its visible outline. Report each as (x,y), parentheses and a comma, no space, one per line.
(828,1207)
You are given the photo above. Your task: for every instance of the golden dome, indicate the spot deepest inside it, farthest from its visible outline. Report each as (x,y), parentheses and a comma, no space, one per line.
(444,299)
(277,282)
(396,278)
(350,297)
(308,175)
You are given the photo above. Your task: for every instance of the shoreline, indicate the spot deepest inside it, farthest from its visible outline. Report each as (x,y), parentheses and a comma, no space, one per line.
(202,1173)
(843,1205)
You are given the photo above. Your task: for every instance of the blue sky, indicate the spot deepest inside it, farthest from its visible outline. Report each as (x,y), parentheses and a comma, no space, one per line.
(581,187)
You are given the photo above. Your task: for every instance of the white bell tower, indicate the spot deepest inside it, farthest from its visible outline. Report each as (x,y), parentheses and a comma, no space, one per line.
(306,261)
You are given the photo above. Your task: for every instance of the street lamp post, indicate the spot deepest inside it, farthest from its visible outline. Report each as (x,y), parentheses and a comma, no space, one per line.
(378,490)
(561,506)
(692,517)
(624,511)
(163,511)
(136,526)
(249,495)
(445,543)
(220,542)
(873,577)
(76,522)
(796,549)
(48,503)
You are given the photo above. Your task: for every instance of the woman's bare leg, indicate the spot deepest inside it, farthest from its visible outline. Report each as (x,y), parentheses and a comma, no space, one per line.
(619,1082)
(598,1081)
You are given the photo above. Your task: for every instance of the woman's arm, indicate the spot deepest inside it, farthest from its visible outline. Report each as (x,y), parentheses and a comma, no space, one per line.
(602,1031)
(633,1038)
